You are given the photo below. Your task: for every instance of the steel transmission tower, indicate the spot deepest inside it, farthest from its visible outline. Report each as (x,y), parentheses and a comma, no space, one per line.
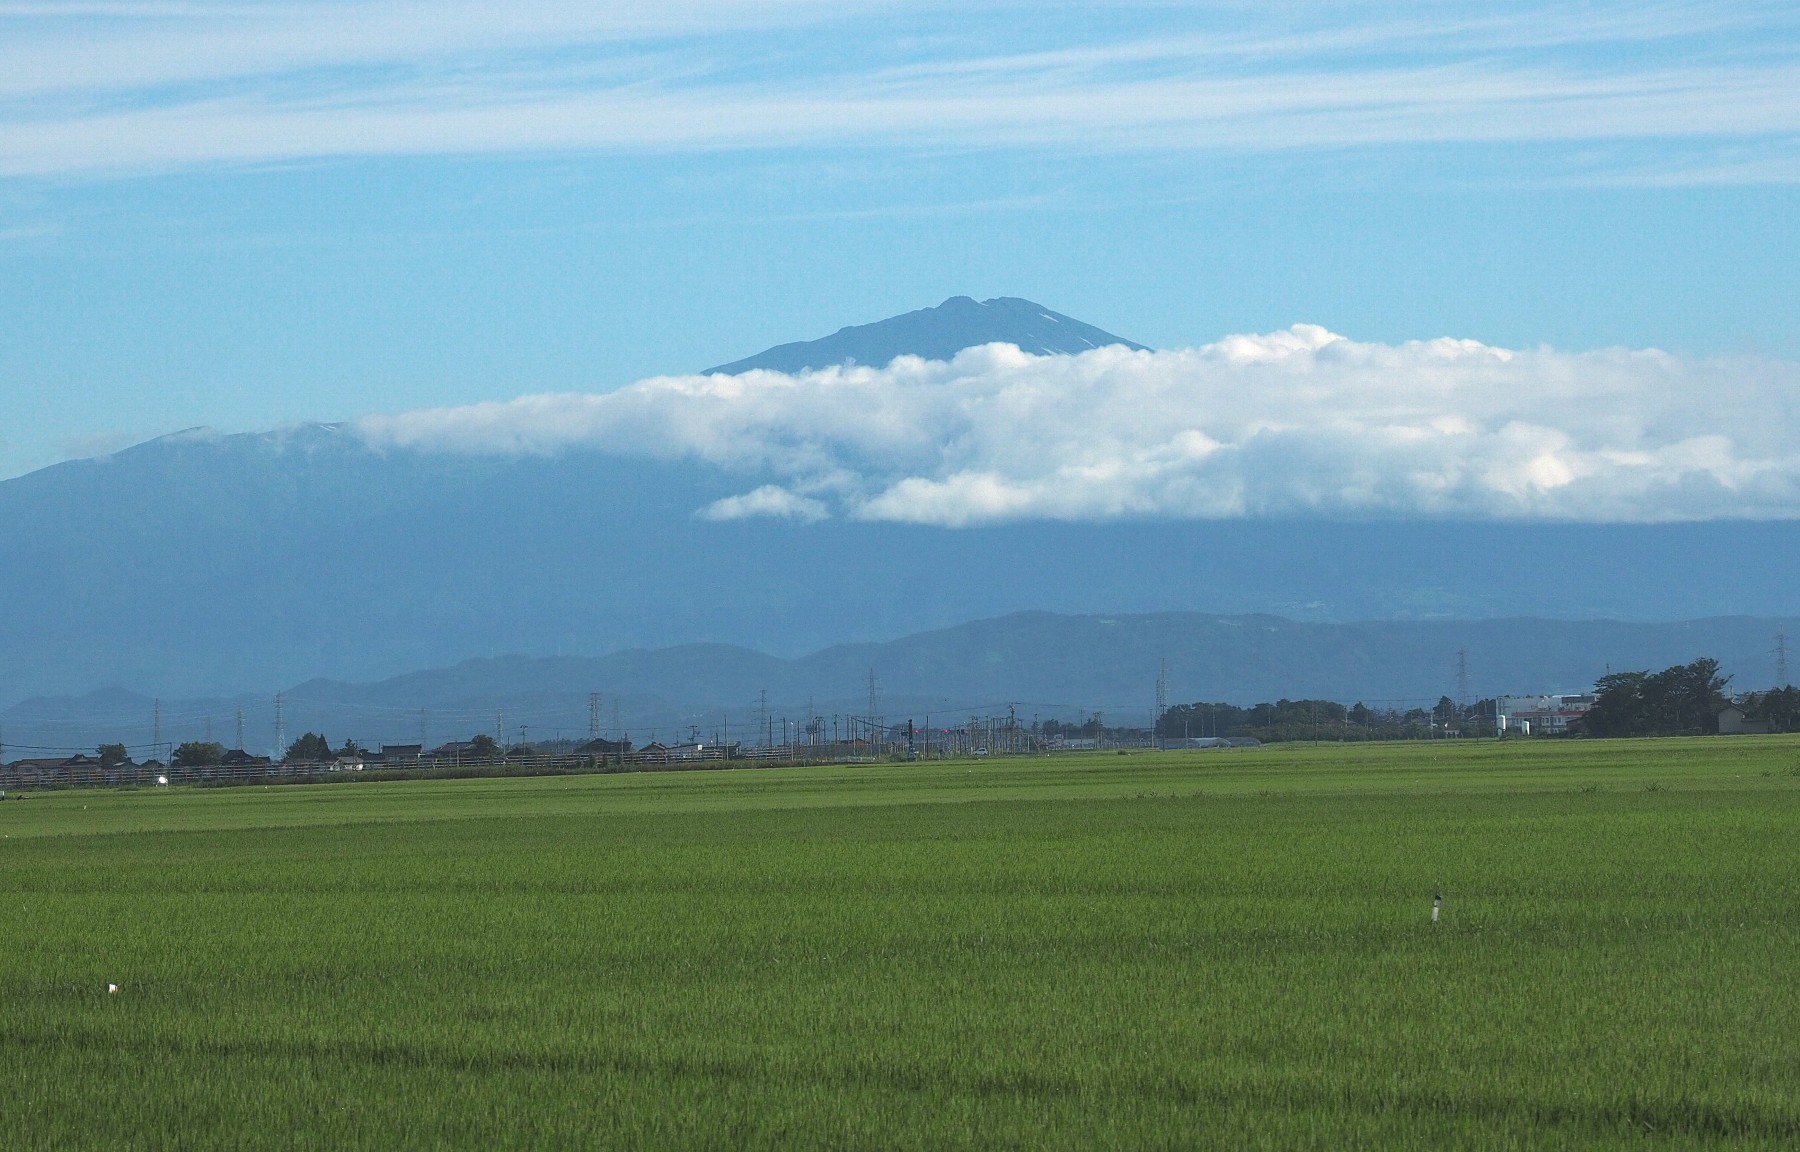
(874,710)
(1162,701)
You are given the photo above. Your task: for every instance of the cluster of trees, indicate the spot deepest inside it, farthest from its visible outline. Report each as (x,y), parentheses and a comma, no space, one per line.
(1322,720)
(312,747)
(199,754)
(1683,700)
(1779,706)
(1093,728)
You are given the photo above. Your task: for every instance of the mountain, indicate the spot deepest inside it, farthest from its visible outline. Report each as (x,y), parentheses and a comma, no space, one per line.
(202,565)
(937,334)
(1042,664)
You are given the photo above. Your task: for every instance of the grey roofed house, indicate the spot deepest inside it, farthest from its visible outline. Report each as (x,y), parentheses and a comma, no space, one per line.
(38,769)
(400,753)
(604,747)
(40,763)
(1733,722)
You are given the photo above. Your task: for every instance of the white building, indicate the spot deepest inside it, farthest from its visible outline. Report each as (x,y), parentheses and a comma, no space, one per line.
(1548,715)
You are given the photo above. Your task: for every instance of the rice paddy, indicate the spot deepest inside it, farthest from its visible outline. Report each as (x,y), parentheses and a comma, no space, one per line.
(1200,949)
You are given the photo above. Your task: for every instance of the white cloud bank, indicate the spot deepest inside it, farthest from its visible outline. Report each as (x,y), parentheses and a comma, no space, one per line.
(1300,422)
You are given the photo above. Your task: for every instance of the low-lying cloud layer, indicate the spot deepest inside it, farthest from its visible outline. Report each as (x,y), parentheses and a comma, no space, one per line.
(1300,422)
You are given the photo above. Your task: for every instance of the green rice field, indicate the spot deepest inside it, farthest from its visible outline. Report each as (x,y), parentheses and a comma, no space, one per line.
(1175,950)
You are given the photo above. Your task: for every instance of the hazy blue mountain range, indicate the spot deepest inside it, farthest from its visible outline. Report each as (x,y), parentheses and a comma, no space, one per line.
(202,564)
(937,334)
(1047,665)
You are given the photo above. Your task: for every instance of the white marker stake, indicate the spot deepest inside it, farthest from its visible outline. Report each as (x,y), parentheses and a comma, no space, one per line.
(112,989)
(1434,912)
(1437,901)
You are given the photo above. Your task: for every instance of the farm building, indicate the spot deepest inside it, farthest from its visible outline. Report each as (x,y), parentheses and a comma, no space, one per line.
(1733,722)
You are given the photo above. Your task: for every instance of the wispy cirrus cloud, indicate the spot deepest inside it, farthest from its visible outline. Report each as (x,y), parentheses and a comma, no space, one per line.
(1300,422)
(98,89)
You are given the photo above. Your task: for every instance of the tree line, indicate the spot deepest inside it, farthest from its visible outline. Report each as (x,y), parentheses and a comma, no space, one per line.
(1286,720)
(308,748)
(1683,700)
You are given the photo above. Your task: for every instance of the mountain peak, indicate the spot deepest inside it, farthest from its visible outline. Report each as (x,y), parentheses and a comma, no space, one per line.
(937,334)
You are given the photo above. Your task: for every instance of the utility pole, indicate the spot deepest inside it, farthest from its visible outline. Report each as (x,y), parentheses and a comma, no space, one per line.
(156,718)
(424,734)
(280,725)
(1781,656)
(762,709)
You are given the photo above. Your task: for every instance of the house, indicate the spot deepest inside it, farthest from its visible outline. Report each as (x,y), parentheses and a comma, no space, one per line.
(1733,722)
(38,769)
(401,754)
(238,758)
(77,769)
(604,748)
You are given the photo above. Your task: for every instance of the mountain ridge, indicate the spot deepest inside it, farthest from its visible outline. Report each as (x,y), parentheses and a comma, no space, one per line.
(1044,663)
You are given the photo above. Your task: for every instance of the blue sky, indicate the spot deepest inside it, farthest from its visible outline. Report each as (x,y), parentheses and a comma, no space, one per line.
(243,215)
